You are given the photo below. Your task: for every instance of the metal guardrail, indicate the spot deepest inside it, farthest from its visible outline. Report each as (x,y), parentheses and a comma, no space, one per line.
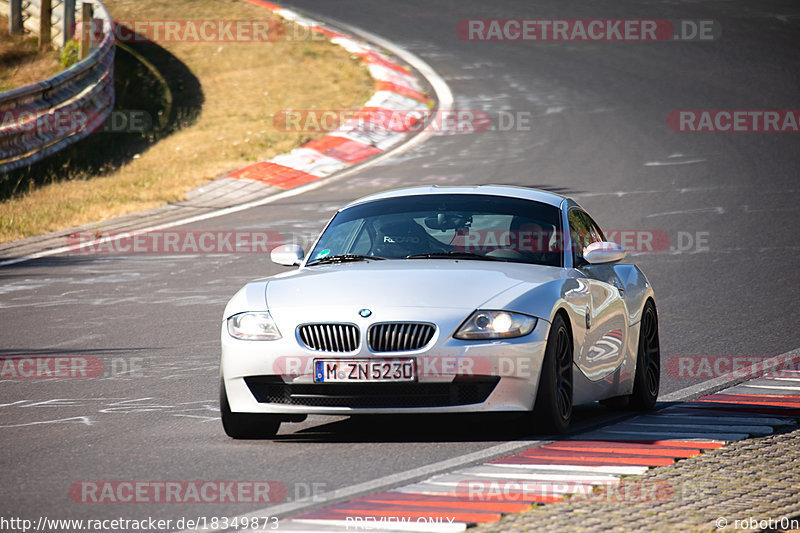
(42,118)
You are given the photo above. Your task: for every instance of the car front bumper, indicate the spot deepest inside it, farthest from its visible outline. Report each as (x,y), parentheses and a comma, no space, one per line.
(451,372)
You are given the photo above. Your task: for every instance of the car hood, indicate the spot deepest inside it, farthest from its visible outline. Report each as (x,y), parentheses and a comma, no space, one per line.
(461,284)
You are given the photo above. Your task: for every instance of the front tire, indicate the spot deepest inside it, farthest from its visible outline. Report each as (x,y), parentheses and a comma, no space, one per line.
(553,409)
(246,425)
(647,378)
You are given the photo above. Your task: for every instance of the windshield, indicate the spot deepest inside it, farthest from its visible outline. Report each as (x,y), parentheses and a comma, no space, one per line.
(447,226)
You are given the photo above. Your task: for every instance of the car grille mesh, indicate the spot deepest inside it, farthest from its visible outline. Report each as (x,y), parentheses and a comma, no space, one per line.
(461,391)
(399,336)
(330,337)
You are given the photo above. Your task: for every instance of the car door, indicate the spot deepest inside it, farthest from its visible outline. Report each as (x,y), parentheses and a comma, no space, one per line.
(606,325)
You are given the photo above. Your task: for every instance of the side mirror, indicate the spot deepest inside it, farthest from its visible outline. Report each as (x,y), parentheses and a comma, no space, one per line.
(287,255)
(603,252)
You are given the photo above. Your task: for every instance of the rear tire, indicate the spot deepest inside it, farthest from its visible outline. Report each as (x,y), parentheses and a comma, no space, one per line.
(648,362)
(553,409)
(246,425)
(648,367)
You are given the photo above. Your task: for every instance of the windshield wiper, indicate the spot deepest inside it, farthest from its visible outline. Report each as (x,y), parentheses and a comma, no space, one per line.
(342,258)
(454,255)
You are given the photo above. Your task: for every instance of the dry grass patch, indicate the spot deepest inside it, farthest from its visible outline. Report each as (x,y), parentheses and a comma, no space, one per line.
(21,62)
(243,86)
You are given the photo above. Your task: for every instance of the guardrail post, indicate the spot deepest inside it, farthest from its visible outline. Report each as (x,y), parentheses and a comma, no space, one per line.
(15,16)
(67,21)
(89,88)
(45,23)
(87,29)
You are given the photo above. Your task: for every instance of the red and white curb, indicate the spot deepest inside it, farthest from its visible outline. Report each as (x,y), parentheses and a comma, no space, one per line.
(348,146)
(578,465)
(396,90)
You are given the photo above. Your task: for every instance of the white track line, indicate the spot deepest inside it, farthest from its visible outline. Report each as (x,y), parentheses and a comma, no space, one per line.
(618,470)
(756,370)
(771,387)
(754,420)
(401,478)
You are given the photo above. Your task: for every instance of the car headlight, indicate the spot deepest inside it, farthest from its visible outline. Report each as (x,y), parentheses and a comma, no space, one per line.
(495,325)
(253,326)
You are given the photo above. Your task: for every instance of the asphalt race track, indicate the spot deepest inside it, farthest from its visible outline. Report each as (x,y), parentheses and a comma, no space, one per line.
(727,285)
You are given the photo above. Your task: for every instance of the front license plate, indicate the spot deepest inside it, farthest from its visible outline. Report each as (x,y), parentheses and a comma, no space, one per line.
(333,370)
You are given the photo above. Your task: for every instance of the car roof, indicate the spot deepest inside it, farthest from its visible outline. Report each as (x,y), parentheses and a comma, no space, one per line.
(513,191)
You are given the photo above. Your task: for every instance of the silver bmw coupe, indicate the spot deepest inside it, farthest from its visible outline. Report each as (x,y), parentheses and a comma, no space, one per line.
(442,300)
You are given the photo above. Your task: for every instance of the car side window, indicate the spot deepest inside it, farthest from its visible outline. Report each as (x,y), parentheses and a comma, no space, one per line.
(583,231)
(597,233)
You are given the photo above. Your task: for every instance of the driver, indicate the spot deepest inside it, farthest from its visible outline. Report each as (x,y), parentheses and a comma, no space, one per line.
(532,240)
(401,238)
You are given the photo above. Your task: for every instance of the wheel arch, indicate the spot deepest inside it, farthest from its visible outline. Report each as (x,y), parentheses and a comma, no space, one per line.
(567,322)
(651,300)
(564,313)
